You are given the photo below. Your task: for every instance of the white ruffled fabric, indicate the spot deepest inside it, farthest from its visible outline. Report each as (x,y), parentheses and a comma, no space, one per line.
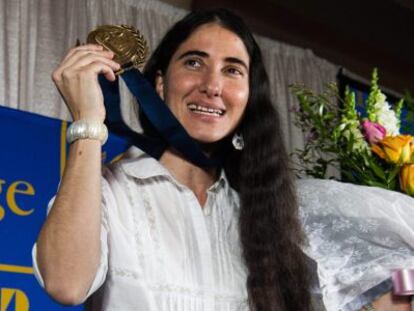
(356,235)
(160,250)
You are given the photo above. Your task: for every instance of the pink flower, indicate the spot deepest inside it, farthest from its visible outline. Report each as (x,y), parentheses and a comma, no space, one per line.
(373,132)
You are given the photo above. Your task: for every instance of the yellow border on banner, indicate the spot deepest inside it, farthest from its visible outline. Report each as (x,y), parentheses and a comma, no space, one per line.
(63,147)
(16,269)
(117,158)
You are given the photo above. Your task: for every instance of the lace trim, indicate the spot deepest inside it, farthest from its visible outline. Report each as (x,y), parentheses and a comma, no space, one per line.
(181,290)
(125,273)
(197,293)
(138,222)
(142,220)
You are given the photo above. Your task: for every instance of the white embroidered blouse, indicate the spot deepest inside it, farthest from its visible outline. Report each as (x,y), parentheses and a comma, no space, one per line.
(160,249)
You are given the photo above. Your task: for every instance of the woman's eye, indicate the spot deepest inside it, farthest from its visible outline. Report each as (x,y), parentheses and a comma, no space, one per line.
(234,71)
(193,63)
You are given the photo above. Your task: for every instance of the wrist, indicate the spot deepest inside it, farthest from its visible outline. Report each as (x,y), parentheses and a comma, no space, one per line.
(89,117)
(95,115)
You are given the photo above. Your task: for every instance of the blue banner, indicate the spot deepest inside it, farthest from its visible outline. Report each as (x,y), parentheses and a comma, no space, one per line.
(32,159)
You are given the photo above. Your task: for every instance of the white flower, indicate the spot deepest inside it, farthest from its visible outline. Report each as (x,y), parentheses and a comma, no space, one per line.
(385,116)
(389,120)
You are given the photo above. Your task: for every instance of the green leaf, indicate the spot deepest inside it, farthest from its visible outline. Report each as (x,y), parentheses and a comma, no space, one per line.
(376,184)
(393,174)
(378,171)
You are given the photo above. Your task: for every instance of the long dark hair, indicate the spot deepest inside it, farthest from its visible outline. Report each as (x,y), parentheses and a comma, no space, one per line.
(270,231)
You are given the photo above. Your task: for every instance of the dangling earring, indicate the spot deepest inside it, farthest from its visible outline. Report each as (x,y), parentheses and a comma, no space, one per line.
(238,141)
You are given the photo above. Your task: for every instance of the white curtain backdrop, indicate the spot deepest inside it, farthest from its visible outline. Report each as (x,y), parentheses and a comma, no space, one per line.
(35,34)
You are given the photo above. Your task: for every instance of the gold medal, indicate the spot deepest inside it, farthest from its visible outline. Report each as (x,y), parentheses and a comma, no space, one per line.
(128,45)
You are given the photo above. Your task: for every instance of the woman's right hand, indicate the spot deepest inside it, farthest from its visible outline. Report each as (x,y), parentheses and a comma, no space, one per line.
(390,302)
(77,80)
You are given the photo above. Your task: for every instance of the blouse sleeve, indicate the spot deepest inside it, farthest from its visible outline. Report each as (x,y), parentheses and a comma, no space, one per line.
(100,276)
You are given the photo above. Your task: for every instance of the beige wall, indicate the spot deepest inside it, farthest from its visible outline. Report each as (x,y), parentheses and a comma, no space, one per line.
(184,4)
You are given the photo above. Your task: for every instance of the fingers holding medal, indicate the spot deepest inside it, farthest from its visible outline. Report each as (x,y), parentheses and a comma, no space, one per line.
(111,50)
(77,80)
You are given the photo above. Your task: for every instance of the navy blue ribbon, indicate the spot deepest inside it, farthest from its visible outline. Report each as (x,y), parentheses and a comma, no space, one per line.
(169,131)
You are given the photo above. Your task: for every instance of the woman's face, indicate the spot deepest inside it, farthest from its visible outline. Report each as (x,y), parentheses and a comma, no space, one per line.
(206,85)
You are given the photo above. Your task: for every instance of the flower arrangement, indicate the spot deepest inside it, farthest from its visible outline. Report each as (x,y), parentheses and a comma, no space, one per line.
(367,150)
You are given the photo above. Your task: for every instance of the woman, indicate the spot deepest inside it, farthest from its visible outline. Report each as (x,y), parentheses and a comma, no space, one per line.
(174,236)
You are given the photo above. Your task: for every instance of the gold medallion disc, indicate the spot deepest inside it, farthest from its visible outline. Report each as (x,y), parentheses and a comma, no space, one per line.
(128,45)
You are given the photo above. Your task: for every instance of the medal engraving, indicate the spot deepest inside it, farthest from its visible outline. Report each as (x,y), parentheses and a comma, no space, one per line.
(128,45)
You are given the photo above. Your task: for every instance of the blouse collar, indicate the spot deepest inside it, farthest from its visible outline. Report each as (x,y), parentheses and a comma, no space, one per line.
(138,164)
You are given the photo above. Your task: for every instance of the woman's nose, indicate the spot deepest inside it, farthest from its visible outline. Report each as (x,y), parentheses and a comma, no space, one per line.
(211,84)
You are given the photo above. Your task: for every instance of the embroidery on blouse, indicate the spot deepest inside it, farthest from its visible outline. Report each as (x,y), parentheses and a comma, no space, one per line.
(149,211)
(138,222)
(104,209)
(172,288)
(125,273)
(197,293)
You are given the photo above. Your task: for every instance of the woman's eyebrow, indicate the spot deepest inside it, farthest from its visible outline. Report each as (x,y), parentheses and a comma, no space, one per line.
(193,52)
(203,54)
(236,60)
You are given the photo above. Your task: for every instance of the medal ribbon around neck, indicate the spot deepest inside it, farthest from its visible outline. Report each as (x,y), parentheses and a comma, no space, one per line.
(130,51)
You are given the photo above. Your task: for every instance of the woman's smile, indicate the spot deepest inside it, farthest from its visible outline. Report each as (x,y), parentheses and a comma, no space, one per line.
(206,110)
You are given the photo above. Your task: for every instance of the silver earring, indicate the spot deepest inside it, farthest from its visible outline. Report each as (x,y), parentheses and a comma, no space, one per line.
(238,141)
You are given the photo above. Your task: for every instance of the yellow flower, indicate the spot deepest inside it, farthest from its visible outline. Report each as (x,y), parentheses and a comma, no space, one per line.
(395,149)
(407,179)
